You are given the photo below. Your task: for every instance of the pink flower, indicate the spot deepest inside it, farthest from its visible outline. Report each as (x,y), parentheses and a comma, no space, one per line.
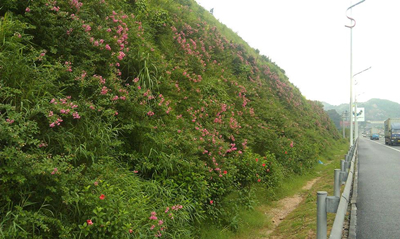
(160,222)
(108,47)
(130,231)
(104,90)
(42,145)
(121,55)
(115,98)
(55,170)
(52,125)
(152,227)
(89,222)
(135,171)
(76,115)
(211,202)
(86,27)
(102,196)
(291,144)
(27,9)
(58,121)
(96,183)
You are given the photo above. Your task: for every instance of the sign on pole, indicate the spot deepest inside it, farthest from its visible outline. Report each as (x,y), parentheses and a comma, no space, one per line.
(360,114)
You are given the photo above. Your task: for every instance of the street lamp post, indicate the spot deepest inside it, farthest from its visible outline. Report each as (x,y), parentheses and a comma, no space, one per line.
(351,70)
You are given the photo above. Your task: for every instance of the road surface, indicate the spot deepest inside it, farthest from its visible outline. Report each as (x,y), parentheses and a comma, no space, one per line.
(378,201)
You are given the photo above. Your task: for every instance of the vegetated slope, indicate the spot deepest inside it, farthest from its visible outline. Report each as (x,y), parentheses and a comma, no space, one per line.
(138,119)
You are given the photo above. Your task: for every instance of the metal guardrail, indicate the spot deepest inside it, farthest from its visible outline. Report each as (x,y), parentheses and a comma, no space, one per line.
(336,203)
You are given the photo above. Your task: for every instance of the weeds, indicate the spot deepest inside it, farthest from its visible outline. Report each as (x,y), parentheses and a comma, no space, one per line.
(116,135)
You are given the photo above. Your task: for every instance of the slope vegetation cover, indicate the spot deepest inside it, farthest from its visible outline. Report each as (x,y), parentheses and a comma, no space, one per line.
(124,118)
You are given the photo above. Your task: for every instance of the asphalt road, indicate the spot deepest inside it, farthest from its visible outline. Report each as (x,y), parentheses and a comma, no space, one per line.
(378,201)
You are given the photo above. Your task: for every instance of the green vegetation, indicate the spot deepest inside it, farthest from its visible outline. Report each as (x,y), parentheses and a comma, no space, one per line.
(302,222)
(140,119)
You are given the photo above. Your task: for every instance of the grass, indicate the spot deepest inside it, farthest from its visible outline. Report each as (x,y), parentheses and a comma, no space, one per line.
(301,222)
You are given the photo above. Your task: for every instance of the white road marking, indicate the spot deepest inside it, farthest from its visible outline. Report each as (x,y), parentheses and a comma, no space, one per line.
(390,147)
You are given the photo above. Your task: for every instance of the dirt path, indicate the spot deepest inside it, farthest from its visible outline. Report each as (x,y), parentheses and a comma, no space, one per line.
(284,207)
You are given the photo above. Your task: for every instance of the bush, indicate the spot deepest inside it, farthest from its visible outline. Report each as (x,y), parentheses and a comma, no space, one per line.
(115,113)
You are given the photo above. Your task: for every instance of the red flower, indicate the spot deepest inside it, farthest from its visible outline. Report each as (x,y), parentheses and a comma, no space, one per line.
(102,196)
(263,164)
(258,180)
(211,202)
(130,231)
(285,152)
(225,172)
(256,159)
(89,222)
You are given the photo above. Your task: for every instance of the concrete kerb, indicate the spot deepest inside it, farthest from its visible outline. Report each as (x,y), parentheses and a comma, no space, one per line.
(353,204)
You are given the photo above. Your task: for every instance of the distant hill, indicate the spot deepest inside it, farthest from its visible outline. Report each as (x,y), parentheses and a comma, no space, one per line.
(375,109)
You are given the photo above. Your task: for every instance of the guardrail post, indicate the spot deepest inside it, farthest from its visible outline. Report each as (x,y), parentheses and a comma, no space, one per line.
(321,215)
(337,183)
(336,203)
(343,171)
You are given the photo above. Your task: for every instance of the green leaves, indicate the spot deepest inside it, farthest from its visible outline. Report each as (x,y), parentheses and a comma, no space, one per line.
(112,111)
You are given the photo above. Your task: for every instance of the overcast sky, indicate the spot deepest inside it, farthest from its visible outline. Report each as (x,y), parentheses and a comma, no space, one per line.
(309,40)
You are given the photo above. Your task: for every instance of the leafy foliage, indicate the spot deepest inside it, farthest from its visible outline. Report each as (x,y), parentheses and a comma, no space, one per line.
(140,119)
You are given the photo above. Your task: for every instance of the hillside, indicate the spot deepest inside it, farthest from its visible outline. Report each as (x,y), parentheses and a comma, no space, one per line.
(139,119)
(375,109)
